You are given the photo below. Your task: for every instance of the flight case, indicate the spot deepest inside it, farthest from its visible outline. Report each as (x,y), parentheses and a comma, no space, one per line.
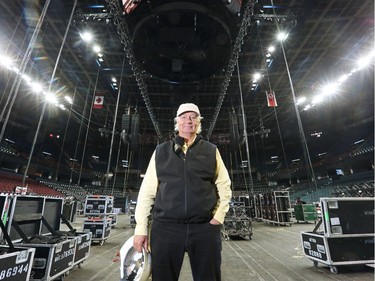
(98,205)
(53,215)
(99,227)
(348,233)
(33,223)
(15,262)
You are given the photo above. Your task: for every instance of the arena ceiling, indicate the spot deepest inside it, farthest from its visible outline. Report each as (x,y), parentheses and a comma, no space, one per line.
(164,53)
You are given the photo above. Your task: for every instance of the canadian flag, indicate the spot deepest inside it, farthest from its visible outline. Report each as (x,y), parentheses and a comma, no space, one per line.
(271,98)
(98,102)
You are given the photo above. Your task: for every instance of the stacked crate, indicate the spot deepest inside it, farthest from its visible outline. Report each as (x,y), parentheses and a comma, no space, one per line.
(98,210)
(273,207)
(347,237)
(40,250)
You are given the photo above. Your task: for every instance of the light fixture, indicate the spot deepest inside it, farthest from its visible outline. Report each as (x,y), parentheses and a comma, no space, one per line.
(69,99)
(51,98)
(256,77)
(330,88)
(6,61)
(36,87)
(96,48)
(271,49)
(86,36)
(281,36)
(301,100)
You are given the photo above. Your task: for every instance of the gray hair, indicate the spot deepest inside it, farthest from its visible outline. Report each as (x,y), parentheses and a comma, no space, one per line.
(199,129)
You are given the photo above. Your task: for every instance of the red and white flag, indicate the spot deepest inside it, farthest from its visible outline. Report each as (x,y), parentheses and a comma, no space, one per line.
(98,102)
(271,98)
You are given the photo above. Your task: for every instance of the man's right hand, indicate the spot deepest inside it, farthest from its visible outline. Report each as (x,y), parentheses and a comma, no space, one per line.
(140,241)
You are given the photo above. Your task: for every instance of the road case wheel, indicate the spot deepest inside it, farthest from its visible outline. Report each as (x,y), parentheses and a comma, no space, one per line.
(333,269)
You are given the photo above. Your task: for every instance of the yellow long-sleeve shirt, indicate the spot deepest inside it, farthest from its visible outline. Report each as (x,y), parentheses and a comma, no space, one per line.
(149,188)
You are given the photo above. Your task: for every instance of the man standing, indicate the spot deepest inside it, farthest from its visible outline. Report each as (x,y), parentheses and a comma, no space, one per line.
(186,190)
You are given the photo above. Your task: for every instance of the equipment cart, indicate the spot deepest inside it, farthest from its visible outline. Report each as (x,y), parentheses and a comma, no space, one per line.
(348,235)
(237,222)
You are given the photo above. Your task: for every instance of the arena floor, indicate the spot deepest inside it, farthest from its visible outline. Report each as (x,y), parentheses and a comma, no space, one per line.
(273,253)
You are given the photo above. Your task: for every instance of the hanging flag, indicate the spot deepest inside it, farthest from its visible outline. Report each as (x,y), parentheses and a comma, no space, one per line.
(98,102)
(271,98)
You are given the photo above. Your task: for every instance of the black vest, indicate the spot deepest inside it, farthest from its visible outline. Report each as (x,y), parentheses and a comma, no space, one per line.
(186,191)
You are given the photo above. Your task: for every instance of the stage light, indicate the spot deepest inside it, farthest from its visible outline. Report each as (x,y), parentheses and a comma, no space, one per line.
(114,79)
(365,61)
(330,88)
(318,99)
(69,99)
(96,48)
(271,49)
(86,36)
(6,61)
(343,78)
(281,36)
(256,77)
(26,78)
(301,100)
(51,98)
(36,87)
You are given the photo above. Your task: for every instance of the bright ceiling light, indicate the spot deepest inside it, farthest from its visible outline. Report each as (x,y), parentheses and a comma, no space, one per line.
(271,49)
(343,78)
(365,61)
(96,49)
(281,36)
(330,89)
(36,87)
(318,99)
(6,61)
(257,76)
(26,78)
(114,79)
(301,100)
(86,36)
(69,99)
(51,98)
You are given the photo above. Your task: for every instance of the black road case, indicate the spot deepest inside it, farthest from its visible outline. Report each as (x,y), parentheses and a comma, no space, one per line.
(348,233)
(16,263)
(338,251)
(83,246)
(98,205)
(52,260)
(34,222)
(99,227)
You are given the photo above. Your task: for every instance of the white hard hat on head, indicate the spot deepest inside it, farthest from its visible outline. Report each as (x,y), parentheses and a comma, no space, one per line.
(186,107)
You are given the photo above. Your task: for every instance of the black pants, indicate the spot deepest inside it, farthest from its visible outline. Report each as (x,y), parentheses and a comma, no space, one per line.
(170,241)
